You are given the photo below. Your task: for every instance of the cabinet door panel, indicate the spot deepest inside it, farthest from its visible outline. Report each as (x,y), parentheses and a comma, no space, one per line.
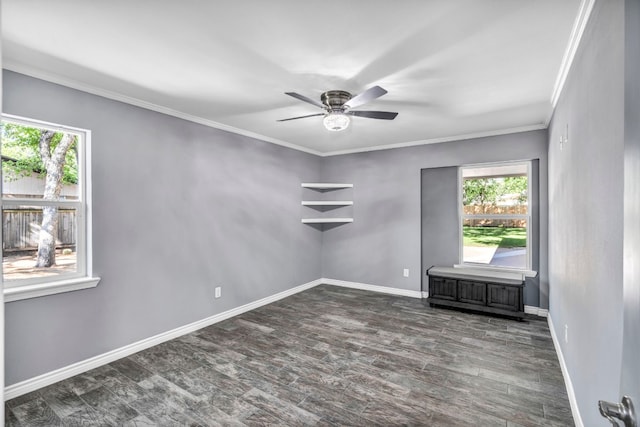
(502,296)
(472,292)
(442,288)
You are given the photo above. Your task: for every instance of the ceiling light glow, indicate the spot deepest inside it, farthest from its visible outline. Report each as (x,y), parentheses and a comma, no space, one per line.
(336,122)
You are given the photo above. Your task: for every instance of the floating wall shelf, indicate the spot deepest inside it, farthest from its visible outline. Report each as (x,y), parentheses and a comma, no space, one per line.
(327,204)
(326,220)
(325,186)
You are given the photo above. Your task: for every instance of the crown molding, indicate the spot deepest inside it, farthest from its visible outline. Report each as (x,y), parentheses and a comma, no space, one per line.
(579,25)
(462,137)
(94,90)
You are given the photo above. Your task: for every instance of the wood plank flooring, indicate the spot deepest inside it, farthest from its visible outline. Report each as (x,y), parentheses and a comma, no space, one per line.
(326,356)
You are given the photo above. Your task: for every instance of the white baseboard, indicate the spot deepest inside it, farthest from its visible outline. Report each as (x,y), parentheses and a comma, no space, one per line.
(530,309)
(373,288)
(575,411)
(542,312)
(52,377)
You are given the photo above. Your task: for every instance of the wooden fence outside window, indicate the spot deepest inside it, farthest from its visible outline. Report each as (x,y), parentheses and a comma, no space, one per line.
(21,227)
(495,210)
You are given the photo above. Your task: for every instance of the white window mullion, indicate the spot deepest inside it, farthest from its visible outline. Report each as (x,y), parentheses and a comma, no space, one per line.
(28,196)
(11,203)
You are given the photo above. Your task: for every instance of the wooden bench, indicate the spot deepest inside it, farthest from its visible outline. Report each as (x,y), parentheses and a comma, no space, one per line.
(476,289)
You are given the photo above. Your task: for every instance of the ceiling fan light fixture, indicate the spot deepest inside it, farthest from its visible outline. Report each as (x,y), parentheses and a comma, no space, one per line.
(336,122)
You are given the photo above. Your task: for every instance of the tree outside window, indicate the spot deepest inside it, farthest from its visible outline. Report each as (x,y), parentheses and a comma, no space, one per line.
(495,215)
(41,202)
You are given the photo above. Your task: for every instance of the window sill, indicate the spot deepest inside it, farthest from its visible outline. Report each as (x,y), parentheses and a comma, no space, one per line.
(42,289)
(489,269)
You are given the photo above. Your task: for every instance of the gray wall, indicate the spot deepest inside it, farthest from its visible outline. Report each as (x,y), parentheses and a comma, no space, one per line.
(178,208)
(385,236)
(586,182)
(169,171)
(440,222)
(441,227)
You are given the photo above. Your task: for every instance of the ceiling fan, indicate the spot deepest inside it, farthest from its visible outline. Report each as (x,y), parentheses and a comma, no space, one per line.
(337,105)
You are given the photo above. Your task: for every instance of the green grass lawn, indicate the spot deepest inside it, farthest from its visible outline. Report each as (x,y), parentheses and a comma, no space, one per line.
(495,236)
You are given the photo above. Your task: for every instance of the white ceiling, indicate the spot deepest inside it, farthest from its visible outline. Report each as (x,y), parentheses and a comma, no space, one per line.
(453,68)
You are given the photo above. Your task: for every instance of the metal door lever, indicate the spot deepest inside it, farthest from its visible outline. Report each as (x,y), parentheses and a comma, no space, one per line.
(622,411)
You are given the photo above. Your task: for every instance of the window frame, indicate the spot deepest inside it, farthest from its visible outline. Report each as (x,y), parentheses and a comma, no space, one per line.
(82,278)
(528,269)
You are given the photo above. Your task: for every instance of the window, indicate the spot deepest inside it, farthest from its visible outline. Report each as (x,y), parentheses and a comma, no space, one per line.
(495,215)
(45,233)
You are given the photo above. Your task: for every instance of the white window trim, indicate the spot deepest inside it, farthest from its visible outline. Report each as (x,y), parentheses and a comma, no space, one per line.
(496,269)
(18,293)
(527,271)
(83,278)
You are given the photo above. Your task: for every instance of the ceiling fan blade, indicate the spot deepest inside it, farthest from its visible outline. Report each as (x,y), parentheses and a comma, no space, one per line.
(305,99)
(366,96)
(383,115)
(300,117)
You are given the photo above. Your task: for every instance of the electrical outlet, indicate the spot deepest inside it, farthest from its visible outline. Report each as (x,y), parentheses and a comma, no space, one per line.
(405,272)
(566,333)
(218,292)
(564,138)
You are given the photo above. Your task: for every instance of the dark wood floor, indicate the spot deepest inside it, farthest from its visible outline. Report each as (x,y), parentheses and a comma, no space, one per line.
(326,356)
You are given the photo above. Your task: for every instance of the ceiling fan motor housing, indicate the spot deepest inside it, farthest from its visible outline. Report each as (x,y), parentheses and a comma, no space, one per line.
(335,99)
(337,105)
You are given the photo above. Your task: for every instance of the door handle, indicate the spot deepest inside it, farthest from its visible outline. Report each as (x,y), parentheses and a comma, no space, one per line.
(622,411)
